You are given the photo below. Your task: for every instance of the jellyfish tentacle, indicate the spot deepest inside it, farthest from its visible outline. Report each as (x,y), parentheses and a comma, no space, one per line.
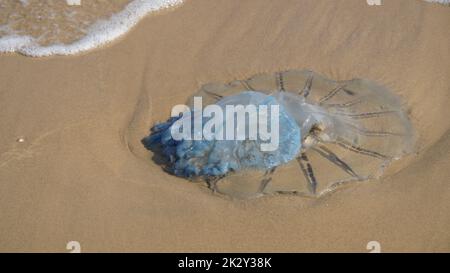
(349,92)
(378,133)
(342,105)
(345,144)
(247,85)
(212,181)
(370,133)
(308,172)
(266,179)
(216,96)
(280,82)
(308,84)
(330,95)
(332,157)
(363,131)
(367,114)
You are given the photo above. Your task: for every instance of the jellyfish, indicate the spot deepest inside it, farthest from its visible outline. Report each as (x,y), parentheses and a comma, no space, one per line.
(331,133)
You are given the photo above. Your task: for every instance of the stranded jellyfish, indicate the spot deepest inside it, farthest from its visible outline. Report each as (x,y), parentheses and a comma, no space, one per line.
(329,133)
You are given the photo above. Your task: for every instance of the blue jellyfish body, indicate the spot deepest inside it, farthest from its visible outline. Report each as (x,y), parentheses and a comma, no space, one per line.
(195,158)
(338,132)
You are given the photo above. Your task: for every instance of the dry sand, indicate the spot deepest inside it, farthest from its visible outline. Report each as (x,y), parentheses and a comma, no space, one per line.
(81,173)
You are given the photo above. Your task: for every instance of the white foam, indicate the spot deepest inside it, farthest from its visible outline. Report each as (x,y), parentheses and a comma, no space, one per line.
(439,1)
(100,33)
(24,2)
(73,2)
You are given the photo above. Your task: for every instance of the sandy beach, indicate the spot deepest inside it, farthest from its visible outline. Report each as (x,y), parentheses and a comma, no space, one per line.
(80,172)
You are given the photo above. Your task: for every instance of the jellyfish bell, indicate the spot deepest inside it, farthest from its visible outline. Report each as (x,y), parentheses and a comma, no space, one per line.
(331,133)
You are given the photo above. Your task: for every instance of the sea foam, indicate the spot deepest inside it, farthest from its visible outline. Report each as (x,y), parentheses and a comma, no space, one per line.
(98,34)
(439,1)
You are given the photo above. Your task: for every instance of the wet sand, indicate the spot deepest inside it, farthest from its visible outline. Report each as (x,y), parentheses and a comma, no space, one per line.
(81,173)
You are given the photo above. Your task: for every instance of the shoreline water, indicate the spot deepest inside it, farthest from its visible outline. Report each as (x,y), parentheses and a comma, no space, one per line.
(97,34)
